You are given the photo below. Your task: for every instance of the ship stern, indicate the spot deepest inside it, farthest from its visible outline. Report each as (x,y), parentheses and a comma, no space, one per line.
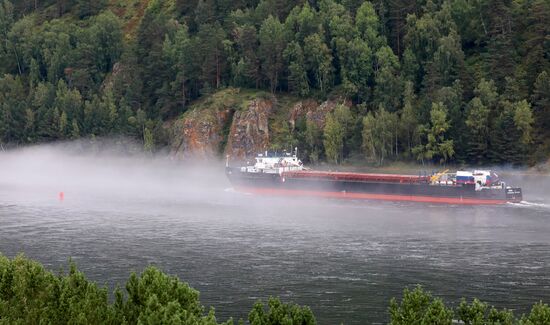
(514,194)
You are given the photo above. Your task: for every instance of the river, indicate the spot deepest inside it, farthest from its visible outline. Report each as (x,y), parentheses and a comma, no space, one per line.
(344,259)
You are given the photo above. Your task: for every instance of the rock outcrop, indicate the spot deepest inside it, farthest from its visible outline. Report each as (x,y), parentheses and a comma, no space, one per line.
(199,133)
(312,112)
(249,132)
(240,124)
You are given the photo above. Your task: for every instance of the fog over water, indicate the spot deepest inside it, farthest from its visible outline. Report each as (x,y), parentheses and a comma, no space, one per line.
(345,259)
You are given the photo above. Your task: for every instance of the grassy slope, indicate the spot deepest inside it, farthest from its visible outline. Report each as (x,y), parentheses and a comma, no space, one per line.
(130,12)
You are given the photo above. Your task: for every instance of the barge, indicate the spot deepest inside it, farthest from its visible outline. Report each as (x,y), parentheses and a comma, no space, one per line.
(285,174)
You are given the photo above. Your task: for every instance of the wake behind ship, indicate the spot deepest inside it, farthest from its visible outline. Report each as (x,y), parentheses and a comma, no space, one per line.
(274,174)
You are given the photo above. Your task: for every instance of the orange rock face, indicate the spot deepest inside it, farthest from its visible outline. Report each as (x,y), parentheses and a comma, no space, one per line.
(312,112)
(237,126)
(199,134)
(249,132)
(301,109)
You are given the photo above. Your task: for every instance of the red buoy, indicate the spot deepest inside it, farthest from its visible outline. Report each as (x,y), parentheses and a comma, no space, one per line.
(61,196)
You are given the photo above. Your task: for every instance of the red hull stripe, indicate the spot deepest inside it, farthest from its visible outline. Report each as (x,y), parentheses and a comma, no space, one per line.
(370,196)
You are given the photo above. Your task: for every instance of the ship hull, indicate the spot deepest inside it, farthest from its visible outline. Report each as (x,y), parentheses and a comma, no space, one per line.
(276,184)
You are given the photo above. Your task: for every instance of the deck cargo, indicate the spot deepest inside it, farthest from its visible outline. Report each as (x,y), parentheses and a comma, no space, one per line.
(274,174)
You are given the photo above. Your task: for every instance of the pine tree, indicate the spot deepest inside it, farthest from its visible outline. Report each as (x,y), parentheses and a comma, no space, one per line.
(153,66)
(75,130)
(437,147)
(211,50)
(12,109)
(505,138)
(63,125)
(501,51)
(533,18)
(367,23)
(478,125)
(357,68)
(541,112)
(447,65)
(523,120)
(378,135)
(453,99)
(389,85)
(148,140)
(178,52)
(333,139)
(272,45)
(409,120)
(248,43)
(297,79)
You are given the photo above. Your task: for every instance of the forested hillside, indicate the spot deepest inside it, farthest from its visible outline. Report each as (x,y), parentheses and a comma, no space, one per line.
(440,81)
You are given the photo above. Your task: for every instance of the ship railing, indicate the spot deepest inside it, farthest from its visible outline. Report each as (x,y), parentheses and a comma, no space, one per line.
(444,183)
(286,169)
(342,176)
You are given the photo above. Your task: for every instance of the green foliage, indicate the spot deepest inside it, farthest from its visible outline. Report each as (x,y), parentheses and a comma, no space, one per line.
(512,136)
(380,131)
(148,141)
(479,313)
(336,133)
(448,62)
(313,140)
(333,135)
(479,130)
(318,61)
(356,67)
(419,307)
(541,111)
(245,61)
(280,313)
(12,109)
(178,51)
(31,295)
(156,298)
(436,144)
(368,25)
(388,82)
(540,314)
(272,45)
(79,68)
(408,122)
(297,79)
(523,120)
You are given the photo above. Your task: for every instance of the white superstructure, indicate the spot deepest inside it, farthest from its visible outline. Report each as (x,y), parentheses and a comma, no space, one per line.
(275,163)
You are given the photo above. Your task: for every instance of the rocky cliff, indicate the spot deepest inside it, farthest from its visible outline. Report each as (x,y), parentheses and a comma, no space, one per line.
(312,111)
(199,133)
(240,123)
(249,132)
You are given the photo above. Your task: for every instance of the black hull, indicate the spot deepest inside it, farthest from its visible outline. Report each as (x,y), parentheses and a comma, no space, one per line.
(424,192)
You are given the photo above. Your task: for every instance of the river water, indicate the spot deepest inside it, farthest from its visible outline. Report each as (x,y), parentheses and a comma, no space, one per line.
(344,259)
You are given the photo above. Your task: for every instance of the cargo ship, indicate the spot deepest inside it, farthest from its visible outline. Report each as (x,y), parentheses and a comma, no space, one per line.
(285,174)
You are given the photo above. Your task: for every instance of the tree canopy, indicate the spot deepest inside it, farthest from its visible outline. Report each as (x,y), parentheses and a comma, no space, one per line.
(70,69)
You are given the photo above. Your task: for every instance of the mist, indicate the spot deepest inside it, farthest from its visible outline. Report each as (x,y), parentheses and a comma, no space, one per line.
(114,171)
(43,172)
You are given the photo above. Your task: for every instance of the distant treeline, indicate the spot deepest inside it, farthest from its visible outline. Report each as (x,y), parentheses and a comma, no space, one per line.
(29,294)
(437,80)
